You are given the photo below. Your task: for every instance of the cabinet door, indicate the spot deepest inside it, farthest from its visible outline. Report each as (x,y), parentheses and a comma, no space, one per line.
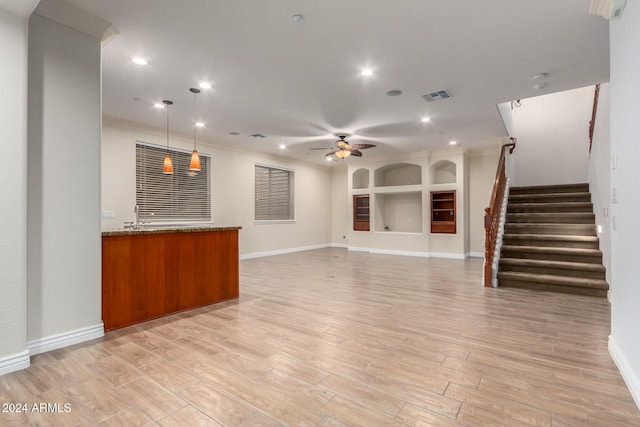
(361,212)
(443,212)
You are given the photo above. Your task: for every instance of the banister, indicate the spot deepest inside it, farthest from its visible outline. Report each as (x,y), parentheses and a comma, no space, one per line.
(592,123)
(493,212)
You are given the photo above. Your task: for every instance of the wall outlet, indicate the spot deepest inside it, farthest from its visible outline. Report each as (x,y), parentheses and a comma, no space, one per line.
(108,214)
(614,161)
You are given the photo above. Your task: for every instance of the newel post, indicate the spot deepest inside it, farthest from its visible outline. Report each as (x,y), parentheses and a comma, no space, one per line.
(488,248)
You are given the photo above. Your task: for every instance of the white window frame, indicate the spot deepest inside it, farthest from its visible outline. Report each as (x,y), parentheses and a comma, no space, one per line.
(276,210)
(187,199)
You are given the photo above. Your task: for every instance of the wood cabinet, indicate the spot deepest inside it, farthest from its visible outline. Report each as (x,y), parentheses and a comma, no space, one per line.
(443,212)
(146,275)
(361,212)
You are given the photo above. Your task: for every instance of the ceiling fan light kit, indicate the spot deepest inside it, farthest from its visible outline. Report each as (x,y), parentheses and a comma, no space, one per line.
(343,149)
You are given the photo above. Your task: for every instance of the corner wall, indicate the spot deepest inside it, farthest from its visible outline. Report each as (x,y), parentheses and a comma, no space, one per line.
(625,134)
(64,249)
(13,193)
(557,123)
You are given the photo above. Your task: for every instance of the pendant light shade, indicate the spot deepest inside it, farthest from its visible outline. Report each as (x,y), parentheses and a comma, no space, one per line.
(343,154)
(194,165)
(168,165)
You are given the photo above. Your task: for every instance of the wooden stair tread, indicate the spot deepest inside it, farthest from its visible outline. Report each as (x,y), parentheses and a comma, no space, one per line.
(581,187)
(556,280)
(567,265)
(554,237)
(551,249)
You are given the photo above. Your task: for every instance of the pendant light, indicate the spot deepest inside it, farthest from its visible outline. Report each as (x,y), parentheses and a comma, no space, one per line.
(168,166)
(194,165)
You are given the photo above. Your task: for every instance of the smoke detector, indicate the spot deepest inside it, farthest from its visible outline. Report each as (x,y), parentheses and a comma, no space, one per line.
(436,96)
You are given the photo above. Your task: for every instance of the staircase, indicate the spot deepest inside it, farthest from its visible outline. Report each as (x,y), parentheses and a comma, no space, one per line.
(550,241)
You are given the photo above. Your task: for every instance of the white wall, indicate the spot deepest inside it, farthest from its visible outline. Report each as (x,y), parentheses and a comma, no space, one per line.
(13,193)
(624,342)
(559,124)
(600,177)
(232,190)
(341,218)
(64,267)
(482,173)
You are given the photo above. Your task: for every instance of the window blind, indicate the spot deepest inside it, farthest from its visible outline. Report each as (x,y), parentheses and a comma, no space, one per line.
(273,193)
(183,196)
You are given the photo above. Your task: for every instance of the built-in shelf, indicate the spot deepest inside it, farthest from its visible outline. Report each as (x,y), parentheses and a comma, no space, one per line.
(360,179)
(443,212)
(398,174)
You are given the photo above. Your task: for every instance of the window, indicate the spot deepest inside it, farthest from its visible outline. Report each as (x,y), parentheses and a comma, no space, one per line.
(184,196)
(274,193)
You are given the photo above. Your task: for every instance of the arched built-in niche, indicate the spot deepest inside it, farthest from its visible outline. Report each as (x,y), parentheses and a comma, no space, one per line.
(398,174)
(444,172)
(360,179)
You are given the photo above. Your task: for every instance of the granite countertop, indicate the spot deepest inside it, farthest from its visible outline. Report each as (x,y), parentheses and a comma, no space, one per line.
(164,230)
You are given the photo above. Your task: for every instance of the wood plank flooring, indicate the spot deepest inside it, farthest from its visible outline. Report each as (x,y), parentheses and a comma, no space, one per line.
(337,338)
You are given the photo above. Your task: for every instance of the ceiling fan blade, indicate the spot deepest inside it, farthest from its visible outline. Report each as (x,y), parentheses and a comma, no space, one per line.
(362,146)
(330,153)
(323,148)
(355,152)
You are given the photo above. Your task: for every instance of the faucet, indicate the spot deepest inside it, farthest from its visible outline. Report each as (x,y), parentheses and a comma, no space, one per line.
(136,209)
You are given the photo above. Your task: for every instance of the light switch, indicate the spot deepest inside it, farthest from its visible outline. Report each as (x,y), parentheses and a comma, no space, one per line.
(108,214)
(614,195)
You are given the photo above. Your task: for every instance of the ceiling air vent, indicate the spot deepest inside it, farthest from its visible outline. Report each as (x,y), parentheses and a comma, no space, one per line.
(436,96)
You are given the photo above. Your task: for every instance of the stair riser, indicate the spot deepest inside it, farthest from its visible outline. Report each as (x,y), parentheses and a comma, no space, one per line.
(590,259)
(577,188)
(561,230)
(514,208)
(584,274)
(551,218)
(585,198)
(550,243)
(553,288)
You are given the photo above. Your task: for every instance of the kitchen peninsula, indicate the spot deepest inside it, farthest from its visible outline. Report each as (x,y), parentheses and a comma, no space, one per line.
(148,273)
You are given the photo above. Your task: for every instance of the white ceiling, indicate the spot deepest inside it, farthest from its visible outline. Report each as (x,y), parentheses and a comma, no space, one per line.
(299,83)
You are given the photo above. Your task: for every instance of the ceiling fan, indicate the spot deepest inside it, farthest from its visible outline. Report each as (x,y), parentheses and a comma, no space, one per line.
(343,149)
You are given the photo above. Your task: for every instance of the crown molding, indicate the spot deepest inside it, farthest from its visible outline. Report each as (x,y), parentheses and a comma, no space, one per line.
(72,17)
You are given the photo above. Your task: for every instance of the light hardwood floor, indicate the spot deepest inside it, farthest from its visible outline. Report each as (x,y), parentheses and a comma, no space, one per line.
(334,338)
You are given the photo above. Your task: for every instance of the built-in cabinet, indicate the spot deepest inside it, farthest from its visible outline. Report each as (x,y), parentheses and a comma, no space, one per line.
(361,215)
(413,206)
(443,211)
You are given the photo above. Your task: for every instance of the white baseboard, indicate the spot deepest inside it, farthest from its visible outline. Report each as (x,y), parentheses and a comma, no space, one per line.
(358,249)
(476,254)
(339,245)
(14,362)
(283,251)
(401,253)
(628,374)
(447,255)
(65,339)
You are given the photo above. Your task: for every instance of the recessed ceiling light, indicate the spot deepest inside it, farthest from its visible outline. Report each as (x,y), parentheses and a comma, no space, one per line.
(199,124)
(204,85)
(540,76)
(158,105)
(282,146)
(139,60)
(425,119)
(366,72)
(329,159)
(453,142)
(394,92)
(297,18)
(540,86)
